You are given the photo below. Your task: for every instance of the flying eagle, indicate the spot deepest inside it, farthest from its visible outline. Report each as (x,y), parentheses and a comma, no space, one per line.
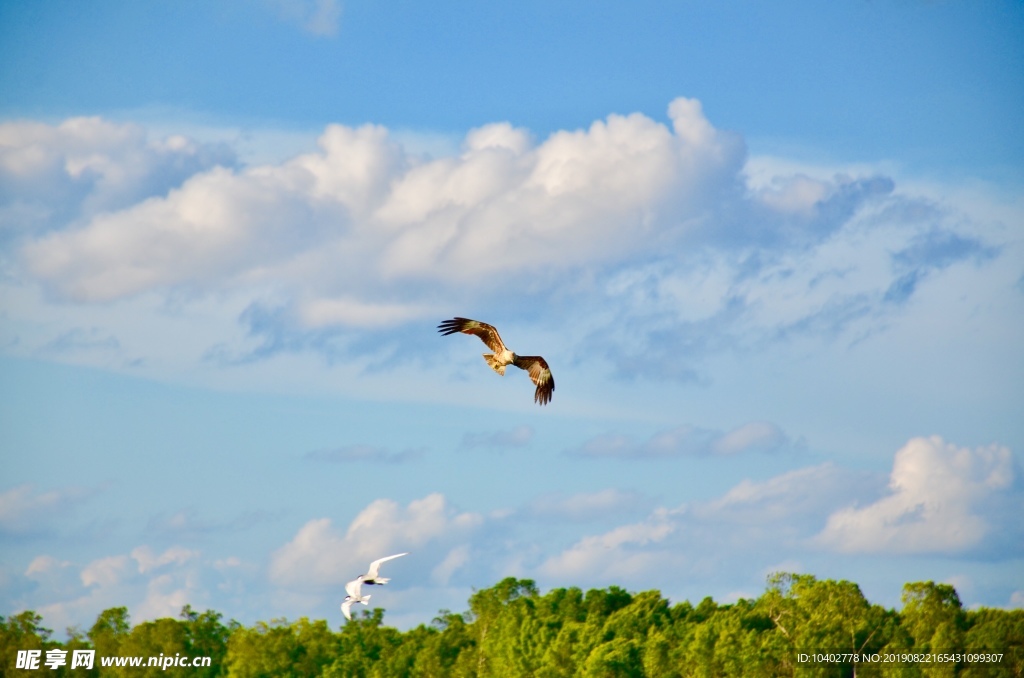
(538,368)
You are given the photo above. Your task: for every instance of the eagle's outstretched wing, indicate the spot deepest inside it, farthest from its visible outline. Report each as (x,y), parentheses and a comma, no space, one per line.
(540,374)
(486,332)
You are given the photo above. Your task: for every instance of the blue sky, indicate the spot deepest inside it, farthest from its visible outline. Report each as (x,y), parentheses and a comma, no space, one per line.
(773,253)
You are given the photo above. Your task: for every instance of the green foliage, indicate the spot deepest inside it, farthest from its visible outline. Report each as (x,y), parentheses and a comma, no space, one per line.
(206,636)
(512,630)
(282,650)
(165,637)
(110,630)
(996,631)
(22,631)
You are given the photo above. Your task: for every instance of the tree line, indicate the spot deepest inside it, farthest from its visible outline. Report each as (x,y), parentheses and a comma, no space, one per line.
(511,630)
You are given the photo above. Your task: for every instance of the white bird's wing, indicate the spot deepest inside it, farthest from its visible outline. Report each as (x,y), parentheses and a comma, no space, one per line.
(346,609)
(375,565)
(355,587)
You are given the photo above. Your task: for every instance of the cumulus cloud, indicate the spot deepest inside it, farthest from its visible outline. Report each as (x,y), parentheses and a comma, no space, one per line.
(452,562)
(205,231)
(45,563)
(114,570)
(658,242)
(320,555)
(622,553)
(758,435)
(151,582)
(799,210)
(755,518)
(781,511)
(503,206)
(165,596)
(687,440)
(148,560)
(55,175)
(942,499)
(106,572)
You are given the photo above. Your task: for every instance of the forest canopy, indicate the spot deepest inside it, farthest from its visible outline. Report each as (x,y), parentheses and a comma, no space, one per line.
(512,630)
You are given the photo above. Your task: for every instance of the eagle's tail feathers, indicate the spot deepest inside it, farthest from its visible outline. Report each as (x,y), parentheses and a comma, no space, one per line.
(493,363)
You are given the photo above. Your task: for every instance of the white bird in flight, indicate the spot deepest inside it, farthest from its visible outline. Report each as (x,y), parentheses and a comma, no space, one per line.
(354,588)
(372,575)
(354,591)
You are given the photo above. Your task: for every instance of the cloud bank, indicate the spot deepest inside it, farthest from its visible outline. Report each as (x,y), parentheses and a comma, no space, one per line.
(325,220)
(961,502)
(652,244)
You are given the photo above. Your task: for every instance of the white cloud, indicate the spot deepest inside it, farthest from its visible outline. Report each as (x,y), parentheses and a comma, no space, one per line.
(319,555)
(106,572)
(622,553)
(362,201)
(45,576)
(456,558)
(941,500)
(717,546)
(783,502)
(209,229)
(316,313)
(149,583)
(44,563)
(68,173)
(165,596)
(147,560)
(798,194)
(756,435)
(660,242)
